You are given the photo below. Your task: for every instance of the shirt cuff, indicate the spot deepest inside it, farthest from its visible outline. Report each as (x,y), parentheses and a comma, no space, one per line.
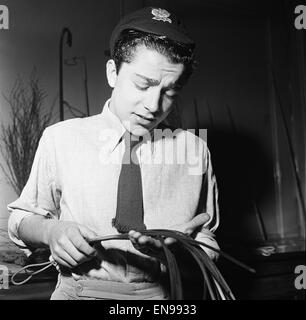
(207,237)
(14,221)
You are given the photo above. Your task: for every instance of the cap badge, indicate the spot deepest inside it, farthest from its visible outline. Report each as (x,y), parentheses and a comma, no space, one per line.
(161,15)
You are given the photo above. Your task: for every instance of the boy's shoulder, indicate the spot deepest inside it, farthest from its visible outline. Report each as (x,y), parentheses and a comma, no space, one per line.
(187,136)
(74,123)
(74,126)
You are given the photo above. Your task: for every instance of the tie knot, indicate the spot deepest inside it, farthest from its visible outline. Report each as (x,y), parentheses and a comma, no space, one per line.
(130,140)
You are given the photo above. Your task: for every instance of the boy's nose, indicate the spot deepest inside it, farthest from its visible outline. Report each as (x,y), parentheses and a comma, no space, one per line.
(152,102)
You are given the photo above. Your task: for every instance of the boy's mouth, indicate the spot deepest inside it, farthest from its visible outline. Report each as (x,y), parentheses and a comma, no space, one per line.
(144,120)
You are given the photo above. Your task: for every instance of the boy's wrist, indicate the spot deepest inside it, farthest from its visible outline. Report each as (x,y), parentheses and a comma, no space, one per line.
(48,225)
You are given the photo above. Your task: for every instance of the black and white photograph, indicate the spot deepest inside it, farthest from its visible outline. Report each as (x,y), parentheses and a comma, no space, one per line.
(152,150)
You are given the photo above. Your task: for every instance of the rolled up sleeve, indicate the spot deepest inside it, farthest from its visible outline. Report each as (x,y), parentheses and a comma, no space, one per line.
(40,195)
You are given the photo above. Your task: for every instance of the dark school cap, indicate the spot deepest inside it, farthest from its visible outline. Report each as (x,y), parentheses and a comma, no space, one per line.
(155,21)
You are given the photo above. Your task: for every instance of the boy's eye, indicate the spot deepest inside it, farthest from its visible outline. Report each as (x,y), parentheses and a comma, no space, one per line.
(141,87)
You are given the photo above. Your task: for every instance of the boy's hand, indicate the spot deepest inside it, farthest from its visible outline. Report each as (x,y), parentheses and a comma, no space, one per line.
(152,247)
(67,243)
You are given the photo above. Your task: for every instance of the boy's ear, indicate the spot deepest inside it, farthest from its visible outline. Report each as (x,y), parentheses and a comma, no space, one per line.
(111,73)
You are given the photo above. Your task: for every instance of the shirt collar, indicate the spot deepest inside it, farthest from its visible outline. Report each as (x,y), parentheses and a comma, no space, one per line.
(113,125)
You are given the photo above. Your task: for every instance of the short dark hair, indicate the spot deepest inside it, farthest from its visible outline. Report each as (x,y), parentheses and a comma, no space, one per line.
(128,40)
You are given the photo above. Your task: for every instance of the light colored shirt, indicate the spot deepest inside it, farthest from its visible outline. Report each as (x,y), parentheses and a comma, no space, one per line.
(75,175)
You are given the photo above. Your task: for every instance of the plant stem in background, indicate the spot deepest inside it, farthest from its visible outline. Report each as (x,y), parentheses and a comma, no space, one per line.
(19,140)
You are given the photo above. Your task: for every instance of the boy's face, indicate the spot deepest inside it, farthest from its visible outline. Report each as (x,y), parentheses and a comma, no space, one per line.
(144,90)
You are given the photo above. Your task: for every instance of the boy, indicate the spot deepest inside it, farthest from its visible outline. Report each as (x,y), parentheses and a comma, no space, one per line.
(90,178)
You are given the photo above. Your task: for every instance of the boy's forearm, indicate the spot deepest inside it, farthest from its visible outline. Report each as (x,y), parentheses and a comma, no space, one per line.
(34,230)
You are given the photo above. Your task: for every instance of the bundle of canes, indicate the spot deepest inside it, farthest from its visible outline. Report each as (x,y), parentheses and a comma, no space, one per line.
(213,281)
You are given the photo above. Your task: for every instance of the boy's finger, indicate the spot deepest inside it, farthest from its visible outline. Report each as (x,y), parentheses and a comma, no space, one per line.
(169,241)
(197,221)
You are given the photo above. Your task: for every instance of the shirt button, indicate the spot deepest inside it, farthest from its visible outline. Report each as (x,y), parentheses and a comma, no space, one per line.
(79,288)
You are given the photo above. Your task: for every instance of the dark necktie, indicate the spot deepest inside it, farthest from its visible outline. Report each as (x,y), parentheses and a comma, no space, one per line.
(129,213)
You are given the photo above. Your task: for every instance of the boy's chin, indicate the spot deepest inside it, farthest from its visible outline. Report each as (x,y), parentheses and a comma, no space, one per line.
(139,131)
